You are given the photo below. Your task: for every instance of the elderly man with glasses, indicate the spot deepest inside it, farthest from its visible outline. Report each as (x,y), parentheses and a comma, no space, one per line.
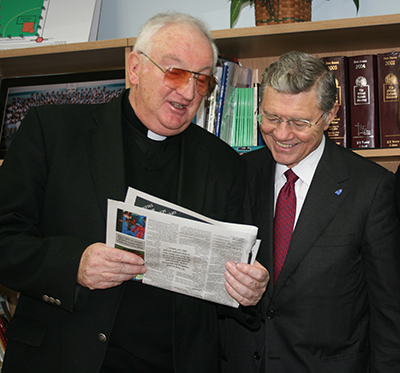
(78,310)
(330,238)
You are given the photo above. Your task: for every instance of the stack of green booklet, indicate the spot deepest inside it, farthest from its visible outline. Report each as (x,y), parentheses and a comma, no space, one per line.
(239,126)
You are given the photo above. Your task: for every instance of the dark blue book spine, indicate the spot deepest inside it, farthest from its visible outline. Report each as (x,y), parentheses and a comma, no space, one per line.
(221,98)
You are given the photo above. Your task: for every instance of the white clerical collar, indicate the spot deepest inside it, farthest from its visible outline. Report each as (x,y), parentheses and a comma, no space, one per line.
(154,136)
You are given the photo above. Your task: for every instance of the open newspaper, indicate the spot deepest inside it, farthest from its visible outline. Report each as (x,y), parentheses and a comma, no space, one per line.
(184,252)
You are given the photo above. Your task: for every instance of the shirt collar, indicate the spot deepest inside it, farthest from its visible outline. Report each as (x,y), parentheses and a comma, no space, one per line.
(305,169)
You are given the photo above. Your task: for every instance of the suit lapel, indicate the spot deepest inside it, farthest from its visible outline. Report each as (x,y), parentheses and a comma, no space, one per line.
(326,195)
(267,230)
(107,154)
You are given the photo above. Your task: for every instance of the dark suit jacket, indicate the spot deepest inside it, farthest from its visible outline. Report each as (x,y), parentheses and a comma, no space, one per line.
(63,165)
(398,189)
(336,304)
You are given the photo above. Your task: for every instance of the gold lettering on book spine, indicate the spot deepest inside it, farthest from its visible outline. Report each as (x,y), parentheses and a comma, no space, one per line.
(390,88)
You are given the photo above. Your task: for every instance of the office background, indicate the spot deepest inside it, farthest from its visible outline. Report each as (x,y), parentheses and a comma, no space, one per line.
(123,18)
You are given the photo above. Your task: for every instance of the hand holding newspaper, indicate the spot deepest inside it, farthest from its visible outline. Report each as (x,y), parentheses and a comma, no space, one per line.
(184,252)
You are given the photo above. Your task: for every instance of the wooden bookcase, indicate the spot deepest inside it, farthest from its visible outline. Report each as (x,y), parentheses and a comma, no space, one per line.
(255,47)
(64,59)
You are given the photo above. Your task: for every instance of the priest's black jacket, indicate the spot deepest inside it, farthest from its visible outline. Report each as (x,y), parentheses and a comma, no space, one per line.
(63,164)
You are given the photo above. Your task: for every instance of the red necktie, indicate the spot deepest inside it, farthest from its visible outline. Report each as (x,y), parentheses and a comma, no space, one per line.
(285,213)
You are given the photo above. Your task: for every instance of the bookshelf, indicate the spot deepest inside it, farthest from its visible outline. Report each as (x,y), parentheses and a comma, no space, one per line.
(255,47)
(63,59)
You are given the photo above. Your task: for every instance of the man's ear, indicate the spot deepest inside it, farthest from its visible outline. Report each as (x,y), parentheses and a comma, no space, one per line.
(331,115)
(132,68)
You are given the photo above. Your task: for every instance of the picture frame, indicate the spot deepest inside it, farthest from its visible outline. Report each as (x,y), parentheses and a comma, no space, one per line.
(19,94)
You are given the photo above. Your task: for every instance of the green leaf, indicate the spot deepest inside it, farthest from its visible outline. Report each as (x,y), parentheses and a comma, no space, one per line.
(236,5)
(357,4)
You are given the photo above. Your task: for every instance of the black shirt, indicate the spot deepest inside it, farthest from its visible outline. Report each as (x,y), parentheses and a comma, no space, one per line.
(141,340)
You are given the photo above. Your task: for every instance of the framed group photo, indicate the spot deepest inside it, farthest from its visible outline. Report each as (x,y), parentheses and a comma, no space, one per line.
(18,95)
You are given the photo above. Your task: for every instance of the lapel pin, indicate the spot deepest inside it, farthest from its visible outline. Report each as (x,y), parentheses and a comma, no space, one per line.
(338,192)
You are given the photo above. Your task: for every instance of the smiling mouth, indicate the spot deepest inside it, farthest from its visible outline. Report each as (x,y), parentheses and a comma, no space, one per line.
(176,105)
(285,145)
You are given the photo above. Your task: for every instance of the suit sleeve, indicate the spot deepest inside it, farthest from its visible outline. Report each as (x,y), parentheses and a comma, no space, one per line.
(381,256)
(33,262)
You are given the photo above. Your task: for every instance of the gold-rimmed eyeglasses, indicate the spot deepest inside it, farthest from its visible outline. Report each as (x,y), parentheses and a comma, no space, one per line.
(177,78)
(271,121)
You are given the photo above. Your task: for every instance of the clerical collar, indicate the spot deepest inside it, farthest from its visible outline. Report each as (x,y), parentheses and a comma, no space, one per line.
(135,121)
(154,136)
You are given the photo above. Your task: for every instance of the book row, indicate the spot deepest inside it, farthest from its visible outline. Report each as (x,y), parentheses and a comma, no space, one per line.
(230,112)
(367,95)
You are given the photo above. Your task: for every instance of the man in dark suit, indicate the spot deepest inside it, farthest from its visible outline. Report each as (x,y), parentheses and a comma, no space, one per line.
(78,310)
(335,304)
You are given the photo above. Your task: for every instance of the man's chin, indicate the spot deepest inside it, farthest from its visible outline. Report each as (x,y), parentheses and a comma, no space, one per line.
(171,130)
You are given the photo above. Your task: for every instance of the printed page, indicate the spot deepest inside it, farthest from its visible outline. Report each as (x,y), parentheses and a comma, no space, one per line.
(185,254)
(147,201)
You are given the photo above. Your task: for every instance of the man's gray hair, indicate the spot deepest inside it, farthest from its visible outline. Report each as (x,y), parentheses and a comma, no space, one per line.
(297,72)
(151,27)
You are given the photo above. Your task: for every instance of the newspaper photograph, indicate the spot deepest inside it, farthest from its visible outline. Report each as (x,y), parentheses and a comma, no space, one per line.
(147,201)
(183,251)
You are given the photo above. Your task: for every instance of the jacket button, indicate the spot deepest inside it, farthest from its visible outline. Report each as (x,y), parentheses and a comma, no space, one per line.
(256,355)
(102,337)
(270,314)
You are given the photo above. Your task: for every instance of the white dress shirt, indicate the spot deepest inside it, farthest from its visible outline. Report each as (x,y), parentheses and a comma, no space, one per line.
(305,171)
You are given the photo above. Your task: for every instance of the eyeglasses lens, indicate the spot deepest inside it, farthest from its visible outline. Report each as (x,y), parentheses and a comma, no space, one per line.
(177,78)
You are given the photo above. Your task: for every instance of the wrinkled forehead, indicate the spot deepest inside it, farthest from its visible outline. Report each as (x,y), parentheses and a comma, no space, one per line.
(182,38)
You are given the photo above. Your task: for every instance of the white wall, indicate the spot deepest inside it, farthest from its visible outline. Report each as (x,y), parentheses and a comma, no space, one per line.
(123,18)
